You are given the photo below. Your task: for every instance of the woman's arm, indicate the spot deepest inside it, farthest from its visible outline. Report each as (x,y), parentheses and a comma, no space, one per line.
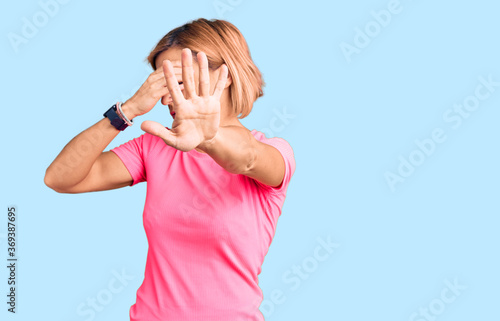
(82,166)
(237,151)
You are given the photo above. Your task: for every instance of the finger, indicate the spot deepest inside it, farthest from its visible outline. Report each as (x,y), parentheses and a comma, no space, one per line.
(204,89)
(188,73)
(167,99)
(159,76)
(221,82)
(156,76)
(157,129)
(161,79)
(157,71)
(159,89)
(172,85)
(160,86)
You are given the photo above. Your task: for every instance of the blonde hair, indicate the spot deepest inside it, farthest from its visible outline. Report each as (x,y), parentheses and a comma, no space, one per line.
(223,43)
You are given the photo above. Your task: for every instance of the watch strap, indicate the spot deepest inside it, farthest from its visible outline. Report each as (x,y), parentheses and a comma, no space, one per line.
(115,119)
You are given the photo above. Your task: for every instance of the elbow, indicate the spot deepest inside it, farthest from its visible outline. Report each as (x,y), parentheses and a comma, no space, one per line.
(247,165)
(49,182)
(251,161)
(243,157)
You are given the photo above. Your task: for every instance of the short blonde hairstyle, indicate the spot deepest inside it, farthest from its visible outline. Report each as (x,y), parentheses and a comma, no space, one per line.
(223,43)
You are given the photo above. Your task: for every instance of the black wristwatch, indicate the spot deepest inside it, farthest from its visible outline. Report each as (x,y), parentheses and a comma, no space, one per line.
(115,119)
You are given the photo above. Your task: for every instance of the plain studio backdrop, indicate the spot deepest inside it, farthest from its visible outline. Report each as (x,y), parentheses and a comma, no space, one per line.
(392,110)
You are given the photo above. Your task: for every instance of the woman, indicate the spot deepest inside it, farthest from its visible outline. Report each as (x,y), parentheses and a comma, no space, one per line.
(214,188)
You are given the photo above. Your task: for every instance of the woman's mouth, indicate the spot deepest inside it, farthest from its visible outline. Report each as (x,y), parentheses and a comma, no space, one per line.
(172,113)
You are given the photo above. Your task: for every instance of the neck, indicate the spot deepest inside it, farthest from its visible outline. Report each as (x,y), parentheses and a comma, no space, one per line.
(227,116)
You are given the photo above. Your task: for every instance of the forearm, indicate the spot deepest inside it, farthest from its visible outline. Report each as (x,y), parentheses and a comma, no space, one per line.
(74,162)
(233,148)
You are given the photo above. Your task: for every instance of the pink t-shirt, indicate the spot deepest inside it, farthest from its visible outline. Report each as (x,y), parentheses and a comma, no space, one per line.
(208,232)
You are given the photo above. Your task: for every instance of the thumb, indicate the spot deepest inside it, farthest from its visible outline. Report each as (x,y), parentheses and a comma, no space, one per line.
(157,129)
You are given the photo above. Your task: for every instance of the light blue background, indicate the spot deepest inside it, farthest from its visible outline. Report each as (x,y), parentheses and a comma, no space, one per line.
(352,122)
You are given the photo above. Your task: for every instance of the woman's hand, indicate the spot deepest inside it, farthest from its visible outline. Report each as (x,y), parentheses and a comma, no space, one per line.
(197,117)
(147,95)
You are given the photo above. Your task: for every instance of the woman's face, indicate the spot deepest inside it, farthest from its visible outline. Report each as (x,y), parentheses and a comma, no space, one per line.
(174,55)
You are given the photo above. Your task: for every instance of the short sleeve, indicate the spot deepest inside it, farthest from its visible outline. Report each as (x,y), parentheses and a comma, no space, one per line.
(131,154)
(286,152)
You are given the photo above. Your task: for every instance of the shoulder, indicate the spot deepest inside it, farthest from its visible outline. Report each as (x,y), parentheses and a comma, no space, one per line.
(286,152)
(277,142)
